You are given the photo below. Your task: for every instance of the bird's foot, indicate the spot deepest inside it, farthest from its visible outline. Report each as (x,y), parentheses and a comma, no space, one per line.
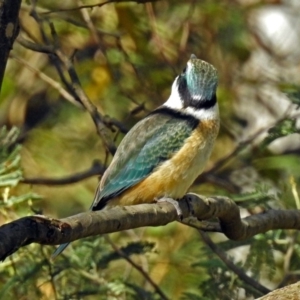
(174,203)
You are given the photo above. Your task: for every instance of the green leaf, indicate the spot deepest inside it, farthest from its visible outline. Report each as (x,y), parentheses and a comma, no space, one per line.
(289,163)
(281,129)
(20,199)
(292,91)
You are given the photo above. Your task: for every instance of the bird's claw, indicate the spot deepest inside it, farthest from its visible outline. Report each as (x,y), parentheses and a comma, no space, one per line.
(174,203)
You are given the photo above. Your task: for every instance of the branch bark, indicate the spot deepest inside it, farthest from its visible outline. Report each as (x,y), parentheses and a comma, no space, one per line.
(288,292)
(9,29)
(48,231)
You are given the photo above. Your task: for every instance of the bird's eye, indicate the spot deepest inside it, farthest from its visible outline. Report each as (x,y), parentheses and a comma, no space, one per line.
(183,71)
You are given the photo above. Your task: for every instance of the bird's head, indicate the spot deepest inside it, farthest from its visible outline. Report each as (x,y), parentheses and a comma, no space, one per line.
(195,87)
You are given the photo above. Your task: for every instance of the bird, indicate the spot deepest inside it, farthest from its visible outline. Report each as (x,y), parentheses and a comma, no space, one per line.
(163,154)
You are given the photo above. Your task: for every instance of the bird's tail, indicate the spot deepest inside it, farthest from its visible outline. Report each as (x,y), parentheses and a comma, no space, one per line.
(62,247)
(59,250)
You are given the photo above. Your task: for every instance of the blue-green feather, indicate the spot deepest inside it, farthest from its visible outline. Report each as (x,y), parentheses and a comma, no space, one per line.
(153,140)
(156,138)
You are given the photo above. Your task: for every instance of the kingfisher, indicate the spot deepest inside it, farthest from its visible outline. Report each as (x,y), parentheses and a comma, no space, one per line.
(163,154)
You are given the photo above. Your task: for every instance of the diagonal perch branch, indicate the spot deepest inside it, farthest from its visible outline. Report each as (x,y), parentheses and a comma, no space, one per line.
(43,230)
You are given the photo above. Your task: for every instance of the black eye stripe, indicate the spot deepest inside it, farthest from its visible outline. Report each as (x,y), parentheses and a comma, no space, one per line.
(183,71)
(188,100)
(183,90)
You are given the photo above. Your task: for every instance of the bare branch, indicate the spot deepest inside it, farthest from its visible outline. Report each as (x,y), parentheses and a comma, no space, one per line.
(98,5)
(48,49)
(48,231)
(89,106)
(60,60)
(230,264)
(90,25)
(56,85)
(96,169)
(138,268)
(241,146)
(79,100)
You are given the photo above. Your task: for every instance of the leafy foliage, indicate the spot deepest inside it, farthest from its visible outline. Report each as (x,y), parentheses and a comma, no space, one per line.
(261,257)
(127,55)
(281,129)
(292,91)
(10,169)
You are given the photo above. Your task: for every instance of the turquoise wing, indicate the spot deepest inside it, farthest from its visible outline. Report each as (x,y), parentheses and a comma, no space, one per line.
(148,144)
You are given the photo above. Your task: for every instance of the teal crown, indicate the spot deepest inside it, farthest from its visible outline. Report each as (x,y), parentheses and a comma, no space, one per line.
(198,83)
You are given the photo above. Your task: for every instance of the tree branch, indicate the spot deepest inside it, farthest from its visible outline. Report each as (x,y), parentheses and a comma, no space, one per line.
(231,265)
(96,5)
(73,85)
(56,85)
(96,169)
(47,231)
(43,230)
(139,269)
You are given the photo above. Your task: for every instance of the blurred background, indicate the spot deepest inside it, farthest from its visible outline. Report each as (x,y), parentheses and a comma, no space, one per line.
(126,56)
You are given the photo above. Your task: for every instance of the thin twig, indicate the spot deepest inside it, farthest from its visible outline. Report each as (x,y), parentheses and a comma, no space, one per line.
(96,169)
(242,145)
(137,267)
(56,85)
(158,41)
(35,47)
(86,17)
(89,106)
(59,59)
(52,56)
(96,5)
(229,263)
(51,273)
(289,253)
(112,122)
